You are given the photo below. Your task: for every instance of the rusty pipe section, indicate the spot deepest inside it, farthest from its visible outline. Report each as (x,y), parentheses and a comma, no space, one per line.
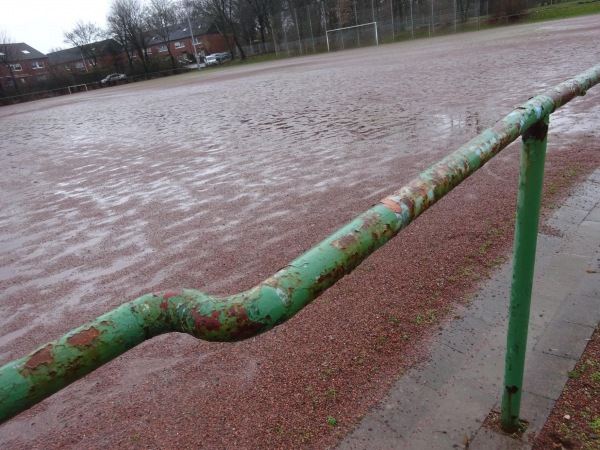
(53,366)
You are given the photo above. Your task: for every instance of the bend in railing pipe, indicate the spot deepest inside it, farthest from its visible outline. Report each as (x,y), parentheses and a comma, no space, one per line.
(53,366)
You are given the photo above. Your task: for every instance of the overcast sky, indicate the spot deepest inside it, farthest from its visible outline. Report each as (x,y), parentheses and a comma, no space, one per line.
(42,23)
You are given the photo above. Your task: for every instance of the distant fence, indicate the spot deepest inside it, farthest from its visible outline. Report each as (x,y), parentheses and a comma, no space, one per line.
(303,30)
(74,89)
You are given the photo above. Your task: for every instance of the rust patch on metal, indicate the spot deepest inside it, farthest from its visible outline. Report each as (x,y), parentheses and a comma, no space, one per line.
(391,204)
(332,276)
(370,221)
(207,323)
(538,131)
(167,294)
(512,389)
(245,327)
(410,205)
(42,356)
(84,338)
(345,241)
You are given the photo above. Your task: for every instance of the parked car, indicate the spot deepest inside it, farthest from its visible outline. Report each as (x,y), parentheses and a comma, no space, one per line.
(184,60)
(113,77)
(211,60)
(224,56)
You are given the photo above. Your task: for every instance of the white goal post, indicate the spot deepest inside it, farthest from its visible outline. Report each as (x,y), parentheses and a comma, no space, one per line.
(374,24)
(76,88)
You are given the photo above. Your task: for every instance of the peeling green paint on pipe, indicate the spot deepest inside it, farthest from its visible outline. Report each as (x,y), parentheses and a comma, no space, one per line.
(55,365)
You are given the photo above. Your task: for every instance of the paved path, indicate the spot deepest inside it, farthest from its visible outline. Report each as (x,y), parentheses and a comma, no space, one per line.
(443,404)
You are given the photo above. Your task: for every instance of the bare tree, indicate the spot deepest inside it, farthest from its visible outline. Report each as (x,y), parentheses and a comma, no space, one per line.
(9,57)
(263,9)
(192,10)
(225,14)
(127,21)
(117,27)
(85,37)
(247,22)
(161,18)
(464,9)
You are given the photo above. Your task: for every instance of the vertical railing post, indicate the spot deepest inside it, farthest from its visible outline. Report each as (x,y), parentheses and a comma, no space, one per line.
(533,155)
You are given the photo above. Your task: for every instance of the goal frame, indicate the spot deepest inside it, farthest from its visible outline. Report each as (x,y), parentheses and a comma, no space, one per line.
(353,26)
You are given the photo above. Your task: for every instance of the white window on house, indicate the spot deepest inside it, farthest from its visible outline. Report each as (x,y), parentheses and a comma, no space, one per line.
(67,68)
(162,48)
(196,41)
(16,67)
(149,50)
(25,51)
(43,77)
(179,44)
(79,65)
(37,65)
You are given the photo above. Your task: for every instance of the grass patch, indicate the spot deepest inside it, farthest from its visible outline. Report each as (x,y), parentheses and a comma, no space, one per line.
(330,393)
(563,10)
(595,425)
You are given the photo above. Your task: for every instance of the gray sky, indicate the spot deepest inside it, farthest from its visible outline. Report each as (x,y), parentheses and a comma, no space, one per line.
(41,23)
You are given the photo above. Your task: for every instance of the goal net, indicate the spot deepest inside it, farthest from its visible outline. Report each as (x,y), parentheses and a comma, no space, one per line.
(352,37)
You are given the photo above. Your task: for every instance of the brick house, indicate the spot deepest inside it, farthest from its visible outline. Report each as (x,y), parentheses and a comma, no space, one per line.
(107,54)
(21,68)
(206,41)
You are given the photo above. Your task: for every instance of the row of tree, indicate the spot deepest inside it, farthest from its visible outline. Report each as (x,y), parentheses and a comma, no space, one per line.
(132,22)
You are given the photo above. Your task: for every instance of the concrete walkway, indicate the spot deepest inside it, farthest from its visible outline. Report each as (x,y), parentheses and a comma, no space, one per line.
(443,404)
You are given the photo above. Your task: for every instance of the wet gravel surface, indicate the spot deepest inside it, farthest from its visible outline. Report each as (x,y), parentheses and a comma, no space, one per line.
(215,180)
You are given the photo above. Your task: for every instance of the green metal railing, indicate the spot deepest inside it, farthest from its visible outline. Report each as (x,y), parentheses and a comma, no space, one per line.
(53,366)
